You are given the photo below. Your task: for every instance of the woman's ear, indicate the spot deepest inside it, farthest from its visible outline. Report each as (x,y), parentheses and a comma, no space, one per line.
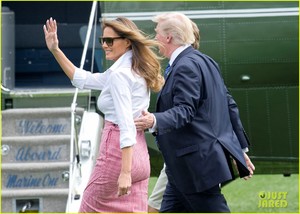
(128,43)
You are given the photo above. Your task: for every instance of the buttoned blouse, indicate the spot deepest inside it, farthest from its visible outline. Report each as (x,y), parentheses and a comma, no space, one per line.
(124,95)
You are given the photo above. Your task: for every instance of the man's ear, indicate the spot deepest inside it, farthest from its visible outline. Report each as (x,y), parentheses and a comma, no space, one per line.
(169,38)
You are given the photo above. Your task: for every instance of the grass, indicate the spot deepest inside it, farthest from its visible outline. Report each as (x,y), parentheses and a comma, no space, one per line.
(244,196)
(152,182)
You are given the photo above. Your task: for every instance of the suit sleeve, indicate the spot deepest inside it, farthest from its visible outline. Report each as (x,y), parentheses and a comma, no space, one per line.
(236,121)
(235,118)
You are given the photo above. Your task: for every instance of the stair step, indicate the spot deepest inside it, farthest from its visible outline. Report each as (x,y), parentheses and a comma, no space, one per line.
(45,200)
(34,176)
(34,166)
(34,193)
(37,121)
(46,97)
(52,148)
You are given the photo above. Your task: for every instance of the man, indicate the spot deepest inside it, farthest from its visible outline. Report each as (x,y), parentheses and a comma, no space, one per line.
(155,199)
(196,124)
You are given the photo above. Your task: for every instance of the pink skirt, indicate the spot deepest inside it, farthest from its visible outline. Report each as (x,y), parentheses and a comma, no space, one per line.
(100,194)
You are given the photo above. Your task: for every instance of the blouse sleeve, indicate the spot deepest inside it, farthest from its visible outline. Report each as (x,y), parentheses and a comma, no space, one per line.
(86,80)
(120,88)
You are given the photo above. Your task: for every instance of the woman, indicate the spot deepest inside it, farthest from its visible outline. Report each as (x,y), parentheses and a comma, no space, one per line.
(119,182)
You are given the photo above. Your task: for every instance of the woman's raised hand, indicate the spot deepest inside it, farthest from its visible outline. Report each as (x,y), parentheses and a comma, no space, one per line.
(50,31)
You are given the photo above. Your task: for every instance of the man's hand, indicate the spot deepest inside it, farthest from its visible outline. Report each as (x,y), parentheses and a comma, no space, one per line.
(249,164)
(145,121)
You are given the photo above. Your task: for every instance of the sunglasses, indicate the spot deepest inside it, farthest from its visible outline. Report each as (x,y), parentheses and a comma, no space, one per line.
(108,40)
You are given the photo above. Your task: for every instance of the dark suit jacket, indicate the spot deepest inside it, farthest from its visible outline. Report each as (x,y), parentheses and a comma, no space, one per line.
(198,125)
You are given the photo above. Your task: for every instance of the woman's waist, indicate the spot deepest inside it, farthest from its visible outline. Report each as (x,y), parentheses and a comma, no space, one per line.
(108,123)
(111,125)
(111,115)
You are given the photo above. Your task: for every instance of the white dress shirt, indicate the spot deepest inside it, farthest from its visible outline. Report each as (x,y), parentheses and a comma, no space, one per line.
(124,95)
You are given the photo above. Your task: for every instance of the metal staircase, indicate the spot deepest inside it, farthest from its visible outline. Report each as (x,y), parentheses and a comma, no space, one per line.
(46,157)
(36,159)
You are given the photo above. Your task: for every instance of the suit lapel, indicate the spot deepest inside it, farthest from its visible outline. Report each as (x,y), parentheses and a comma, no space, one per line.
(183,53)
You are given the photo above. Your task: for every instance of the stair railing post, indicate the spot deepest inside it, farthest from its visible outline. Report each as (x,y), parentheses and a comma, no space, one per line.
(74,138)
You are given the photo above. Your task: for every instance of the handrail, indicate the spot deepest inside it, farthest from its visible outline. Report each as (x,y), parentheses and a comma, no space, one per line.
(74,137)
(3,88)
(93,54)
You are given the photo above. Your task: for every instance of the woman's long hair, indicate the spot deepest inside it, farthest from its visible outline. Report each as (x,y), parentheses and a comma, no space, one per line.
(144,59)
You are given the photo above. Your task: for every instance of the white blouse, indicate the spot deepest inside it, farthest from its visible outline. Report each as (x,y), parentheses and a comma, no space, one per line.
(123,97)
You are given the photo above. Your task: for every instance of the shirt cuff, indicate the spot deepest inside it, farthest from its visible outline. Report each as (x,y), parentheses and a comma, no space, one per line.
(79,78)
(153,128)
(245,149)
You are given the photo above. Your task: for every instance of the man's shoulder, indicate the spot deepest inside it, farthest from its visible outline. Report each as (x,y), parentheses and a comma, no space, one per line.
(191,56)
(200,54)
(203,57)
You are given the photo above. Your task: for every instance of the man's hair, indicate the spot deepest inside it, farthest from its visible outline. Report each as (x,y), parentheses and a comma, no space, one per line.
(178,25)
